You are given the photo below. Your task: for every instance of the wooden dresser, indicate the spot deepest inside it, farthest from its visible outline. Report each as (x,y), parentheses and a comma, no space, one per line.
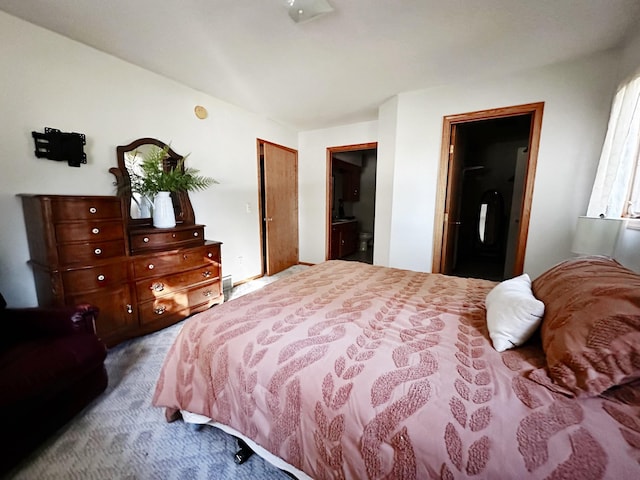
(175,273)
(141,278)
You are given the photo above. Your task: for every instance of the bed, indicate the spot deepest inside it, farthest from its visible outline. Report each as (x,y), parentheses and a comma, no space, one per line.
(352,371)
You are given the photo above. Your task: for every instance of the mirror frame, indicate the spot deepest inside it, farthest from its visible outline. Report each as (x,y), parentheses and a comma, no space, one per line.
(181,202)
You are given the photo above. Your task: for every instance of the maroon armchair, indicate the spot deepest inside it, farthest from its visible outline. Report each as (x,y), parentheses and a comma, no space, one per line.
(51,367)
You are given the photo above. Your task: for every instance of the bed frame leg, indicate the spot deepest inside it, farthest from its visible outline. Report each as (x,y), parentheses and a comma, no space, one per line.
(244,452)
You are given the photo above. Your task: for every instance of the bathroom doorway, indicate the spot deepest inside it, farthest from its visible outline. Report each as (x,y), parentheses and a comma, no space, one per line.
(351,191)
(485,190)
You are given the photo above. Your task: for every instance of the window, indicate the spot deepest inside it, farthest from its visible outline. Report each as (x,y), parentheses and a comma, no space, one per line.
(616,190)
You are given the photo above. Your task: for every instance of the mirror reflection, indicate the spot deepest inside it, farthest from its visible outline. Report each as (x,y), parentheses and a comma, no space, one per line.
(482,225)
(489,218)
(128,175)
(141,204)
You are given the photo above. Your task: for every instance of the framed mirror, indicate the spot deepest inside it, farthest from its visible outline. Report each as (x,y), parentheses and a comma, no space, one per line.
(138,206)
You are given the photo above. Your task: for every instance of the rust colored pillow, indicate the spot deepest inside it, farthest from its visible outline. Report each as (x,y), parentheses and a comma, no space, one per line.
(591,328)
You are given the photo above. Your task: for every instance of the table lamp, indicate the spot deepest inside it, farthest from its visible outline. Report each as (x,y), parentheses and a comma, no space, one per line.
(596,236)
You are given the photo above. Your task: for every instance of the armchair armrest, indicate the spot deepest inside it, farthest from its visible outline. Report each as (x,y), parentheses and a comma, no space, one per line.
(25,323)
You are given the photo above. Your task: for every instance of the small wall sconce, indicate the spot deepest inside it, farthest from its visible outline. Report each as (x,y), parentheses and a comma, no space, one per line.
(201,112)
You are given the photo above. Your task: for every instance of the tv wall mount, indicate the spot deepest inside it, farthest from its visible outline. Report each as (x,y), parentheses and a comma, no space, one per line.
(60,146)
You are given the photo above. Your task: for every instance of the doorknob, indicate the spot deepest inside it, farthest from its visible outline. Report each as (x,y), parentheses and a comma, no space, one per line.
(268,219)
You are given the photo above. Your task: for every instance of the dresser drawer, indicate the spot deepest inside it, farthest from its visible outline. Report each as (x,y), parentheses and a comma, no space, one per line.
(180,304)
(205,293)
(176,261)
(88,253)
(89,232)
(85,208)
(163,310)
(166,239)
(93,278)
(156,287)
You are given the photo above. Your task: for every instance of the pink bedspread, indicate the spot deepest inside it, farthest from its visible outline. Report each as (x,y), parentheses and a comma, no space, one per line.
(348,370)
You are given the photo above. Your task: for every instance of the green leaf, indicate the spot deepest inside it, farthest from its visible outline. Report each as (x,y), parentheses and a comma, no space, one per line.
(151,174)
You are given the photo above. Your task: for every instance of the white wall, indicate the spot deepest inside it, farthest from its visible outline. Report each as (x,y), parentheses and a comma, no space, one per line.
(47,80)
(50,81)
(630,58)
(387,144)
(312,181)
(577,98)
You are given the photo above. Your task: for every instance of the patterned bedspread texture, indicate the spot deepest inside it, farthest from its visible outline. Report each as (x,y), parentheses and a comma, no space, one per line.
(348,370)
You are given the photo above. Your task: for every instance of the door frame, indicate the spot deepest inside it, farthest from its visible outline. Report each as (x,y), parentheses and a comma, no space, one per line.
(329,186)
(446,157)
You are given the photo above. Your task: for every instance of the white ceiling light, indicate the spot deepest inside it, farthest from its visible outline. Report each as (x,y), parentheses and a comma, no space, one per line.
(305,10)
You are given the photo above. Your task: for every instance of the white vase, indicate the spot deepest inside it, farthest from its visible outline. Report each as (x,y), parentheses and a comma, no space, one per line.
(163,215)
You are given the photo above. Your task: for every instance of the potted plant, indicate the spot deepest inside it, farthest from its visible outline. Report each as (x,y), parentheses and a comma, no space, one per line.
(154,181)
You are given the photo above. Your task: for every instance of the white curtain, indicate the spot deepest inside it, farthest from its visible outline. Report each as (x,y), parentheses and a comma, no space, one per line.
(619,159)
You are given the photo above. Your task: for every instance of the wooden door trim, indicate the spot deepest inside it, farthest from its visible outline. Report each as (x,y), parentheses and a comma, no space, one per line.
(260,140)
(260,152)
(330,152)
(534,109)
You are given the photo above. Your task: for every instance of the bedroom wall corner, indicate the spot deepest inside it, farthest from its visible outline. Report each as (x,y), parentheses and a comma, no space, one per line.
(577,96)
(312,172)
(630,58)
(387,132)
(51,81)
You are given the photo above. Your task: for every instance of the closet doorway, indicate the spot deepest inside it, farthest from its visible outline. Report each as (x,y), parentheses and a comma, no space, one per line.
(485,188)
(278,196)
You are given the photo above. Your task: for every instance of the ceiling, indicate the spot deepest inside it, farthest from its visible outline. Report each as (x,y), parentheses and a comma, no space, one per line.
(339,68)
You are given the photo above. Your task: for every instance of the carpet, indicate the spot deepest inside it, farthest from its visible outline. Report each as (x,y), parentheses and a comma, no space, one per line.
(122,436)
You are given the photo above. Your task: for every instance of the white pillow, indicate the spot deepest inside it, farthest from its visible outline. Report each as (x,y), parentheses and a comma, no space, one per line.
(513,313)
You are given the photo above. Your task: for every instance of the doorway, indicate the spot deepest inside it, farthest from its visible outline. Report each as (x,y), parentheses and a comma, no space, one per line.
(486,185)
(278,198)
(351,189)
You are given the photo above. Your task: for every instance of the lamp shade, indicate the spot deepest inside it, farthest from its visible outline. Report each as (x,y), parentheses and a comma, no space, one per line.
(596,236)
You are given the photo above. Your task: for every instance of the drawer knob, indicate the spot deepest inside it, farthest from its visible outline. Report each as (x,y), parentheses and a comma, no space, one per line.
(129,308)
(206,274)
(95,231)
(101,277)
(173,235)
(145,239)
(93,210)
(97,251)
(207,293)
(160,310)
(210,255)
(195,234)
(157,287)
(151,266)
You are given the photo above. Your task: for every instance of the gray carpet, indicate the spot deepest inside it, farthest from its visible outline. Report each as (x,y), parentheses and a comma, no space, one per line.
(122,436)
